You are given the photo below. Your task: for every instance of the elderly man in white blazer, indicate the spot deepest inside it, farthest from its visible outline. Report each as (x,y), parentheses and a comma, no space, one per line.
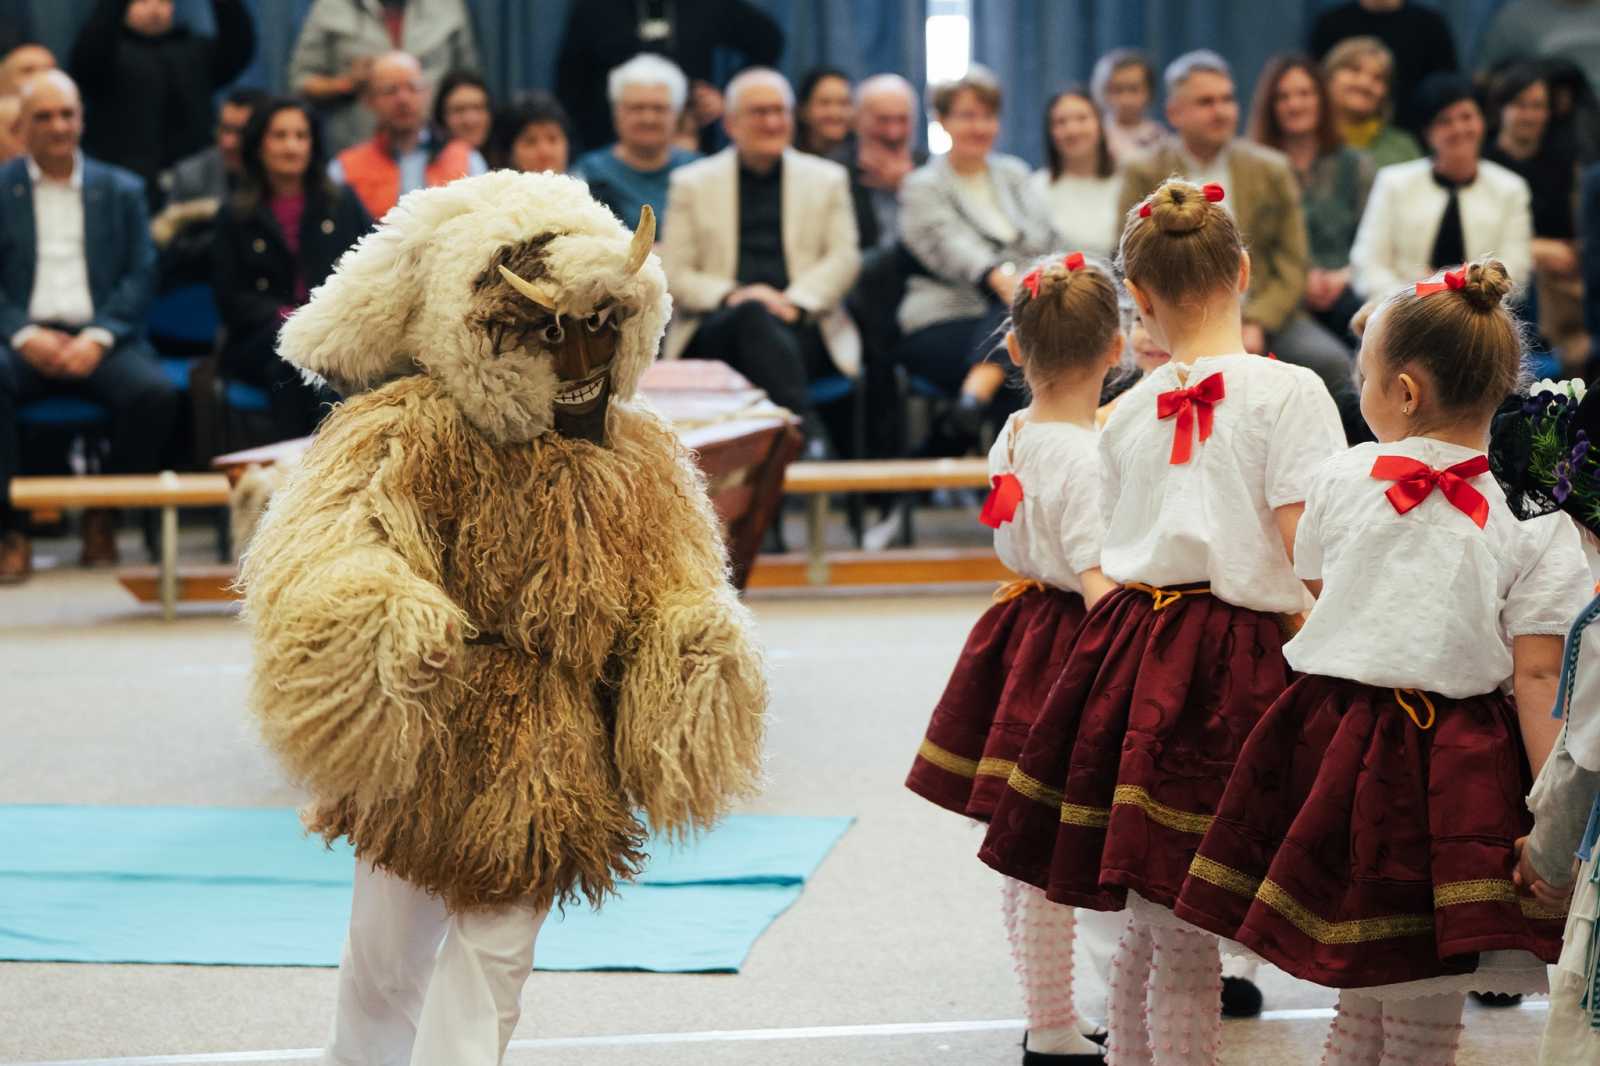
(1409,230)
(760,249)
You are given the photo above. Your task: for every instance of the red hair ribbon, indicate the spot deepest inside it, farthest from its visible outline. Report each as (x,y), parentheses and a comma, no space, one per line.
(1030,281)
(1414,481)
(1004,498)
(1073,261)
(1144,209)
(1183,403)
(1453,279)
(1213,191)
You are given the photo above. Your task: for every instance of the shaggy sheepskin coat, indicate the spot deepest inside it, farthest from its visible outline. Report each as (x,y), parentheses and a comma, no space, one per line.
(494,654)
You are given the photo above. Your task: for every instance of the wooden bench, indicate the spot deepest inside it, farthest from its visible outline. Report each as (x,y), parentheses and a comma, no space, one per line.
(167,491)
(819,480)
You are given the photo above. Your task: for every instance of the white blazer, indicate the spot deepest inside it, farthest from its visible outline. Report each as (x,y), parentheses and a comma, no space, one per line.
(700,246)
(1398,228)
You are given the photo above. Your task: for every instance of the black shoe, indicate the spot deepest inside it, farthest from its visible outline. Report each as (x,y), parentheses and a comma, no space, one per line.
(1041,1058)
(1496,999)
(1240,998)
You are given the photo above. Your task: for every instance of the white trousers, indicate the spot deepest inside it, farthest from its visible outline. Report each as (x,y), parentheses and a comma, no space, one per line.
(420,986)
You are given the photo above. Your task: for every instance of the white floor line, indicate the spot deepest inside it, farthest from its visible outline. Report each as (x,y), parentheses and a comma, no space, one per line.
(708,1036)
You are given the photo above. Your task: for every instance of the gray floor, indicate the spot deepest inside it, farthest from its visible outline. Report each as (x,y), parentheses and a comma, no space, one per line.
(103,703)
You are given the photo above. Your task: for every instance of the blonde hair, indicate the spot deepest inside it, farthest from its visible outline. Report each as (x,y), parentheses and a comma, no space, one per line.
(1068,324)
(1185,246)
(1465,339)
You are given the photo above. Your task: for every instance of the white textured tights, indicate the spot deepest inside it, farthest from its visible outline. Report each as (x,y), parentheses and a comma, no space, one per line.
(1403,1032)
(1166,984)
(1041,934)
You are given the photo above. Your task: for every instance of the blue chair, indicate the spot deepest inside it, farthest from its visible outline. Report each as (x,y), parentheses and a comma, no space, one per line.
(185,317)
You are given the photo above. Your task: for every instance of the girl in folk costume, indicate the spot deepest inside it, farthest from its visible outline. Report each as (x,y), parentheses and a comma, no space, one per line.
(1045,512)
(1367,837)
(1205,466)
(1541,454)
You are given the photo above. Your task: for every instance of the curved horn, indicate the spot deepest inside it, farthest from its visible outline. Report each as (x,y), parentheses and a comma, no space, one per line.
(528,289)
(643,238)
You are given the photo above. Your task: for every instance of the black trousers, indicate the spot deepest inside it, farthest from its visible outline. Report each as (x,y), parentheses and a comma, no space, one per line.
(772,354)
(943,353)
(128,382)
(296,408)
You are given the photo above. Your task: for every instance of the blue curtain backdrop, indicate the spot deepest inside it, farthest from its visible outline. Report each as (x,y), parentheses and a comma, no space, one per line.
(518,39)
(1038,46)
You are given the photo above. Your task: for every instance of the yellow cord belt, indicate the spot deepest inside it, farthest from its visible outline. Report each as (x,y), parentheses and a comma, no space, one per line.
(1165,598)
(1012,589)
(1412,711)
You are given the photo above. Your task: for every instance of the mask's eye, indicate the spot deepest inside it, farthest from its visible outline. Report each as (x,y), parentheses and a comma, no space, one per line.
(552,333)
(598,321)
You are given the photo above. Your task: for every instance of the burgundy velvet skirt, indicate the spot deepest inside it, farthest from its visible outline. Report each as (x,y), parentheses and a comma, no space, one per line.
(1129,757)
(999,683)
(1356,848)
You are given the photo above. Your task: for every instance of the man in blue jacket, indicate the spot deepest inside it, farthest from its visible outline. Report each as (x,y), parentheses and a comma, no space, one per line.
(76,270)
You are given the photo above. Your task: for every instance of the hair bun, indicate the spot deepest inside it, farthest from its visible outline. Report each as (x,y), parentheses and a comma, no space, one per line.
(1487,284)
(1179,207)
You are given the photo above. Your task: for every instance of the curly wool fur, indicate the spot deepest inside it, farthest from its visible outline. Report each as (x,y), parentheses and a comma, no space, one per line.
(398,303)
(489,773)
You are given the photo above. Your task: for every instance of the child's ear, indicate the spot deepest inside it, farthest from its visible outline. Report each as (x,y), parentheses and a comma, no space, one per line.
(1114,350)
(1140,300)
(1013,349)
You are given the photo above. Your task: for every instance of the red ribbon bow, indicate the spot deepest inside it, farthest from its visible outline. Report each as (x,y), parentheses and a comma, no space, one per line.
(1453,279)
(1004,498)
(1184,403)
(1414,481)
(1214,194)
(1030,280)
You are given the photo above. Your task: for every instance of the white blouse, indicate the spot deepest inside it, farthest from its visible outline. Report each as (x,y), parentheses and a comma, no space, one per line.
(1083,210)
(1211,519)
(1055,534)
(1401,221)
(1426,599)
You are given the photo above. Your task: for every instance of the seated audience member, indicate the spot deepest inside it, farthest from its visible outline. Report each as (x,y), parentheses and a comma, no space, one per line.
(404,154)
(1261,192)
(824,112)
(1081,183)
(340,39)
(278,237)
(21,63)
(601,35)
(1291,114)
(880,156)
(463,108)
(1359,71)
(1417,37)
(76,270)
(1124,85)
(147,83)
(532,134)
(11,144)
(1544,30)
(764,296)
(1444,210)
(1519,111)
(973,219)
(647,96)
(1574,110)
(194,190)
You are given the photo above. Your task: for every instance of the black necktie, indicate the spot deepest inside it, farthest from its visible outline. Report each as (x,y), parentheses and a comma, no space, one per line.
(1449,244)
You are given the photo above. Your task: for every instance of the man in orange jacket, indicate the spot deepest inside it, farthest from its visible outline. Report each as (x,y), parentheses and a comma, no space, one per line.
(404,154)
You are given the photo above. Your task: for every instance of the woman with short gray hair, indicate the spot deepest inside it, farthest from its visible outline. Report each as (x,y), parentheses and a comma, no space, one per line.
(971,218)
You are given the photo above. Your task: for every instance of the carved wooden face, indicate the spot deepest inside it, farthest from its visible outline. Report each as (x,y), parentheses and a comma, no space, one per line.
(518,306)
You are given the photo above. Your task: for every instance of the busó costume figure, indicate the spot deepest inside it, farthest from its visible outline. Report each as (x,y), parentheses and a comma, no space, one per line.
(494,635)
